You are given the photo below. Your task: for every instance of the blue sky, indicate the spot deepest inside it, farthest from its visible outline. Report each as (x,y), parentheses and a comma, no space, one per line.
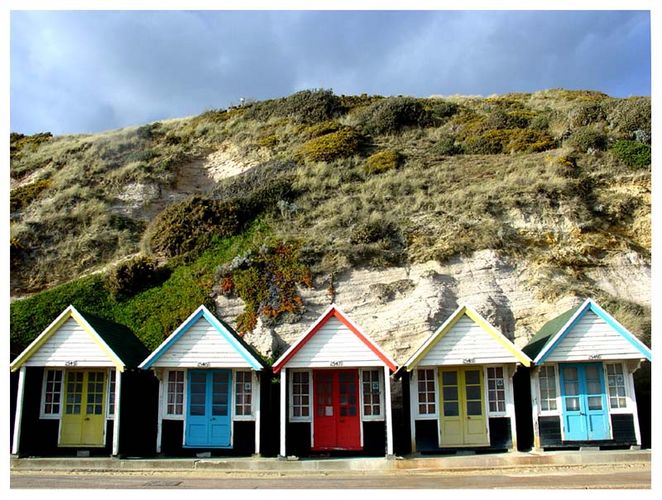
(81,72)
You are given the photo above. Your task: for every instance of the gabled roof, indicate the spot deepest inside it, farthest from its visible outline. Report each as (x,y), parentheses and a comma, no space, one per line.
(119,343)
(227,332)
(332,311)
(550,335)
(462,310)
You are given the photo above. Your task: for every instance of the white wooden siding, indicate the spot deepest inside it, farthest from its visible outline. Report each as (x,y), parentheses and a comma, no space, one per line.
(467,340)
(593,338)
(70,344)
(201,343)
(332,344)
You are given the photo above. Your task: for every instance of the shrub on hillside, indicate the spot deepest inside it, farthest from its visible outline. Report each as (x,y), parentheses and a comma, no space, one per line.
(441,111)
(509,141)
(447,146)
(632,153)
(306,106)
(133,276)
(630,116)
(341,144)
(320,129)
(588,138)
(22,196)
(382,161)
(586,113)
(19,142)
(393,114)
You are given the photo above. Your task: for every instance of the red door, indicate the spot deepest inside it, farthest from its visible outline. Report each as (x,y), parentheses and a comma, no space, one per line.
(337,422)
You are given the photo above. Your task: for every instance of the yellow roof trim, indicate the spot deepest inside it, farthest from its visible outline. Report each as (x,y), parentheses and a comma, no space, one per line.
(434,338)
(498,336)
(69,312)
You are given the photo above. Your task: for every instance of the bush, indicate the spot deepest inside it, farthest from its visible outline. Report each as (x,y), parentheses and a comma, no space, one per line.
(22,196)
(373,231)
(382,161)
(632,153)
(447,146)
(341,144)
(130,277)
(630,116)
(307,106)
(321,129)
(393,114)
(509,141)
(586,114)
(441,111)
(18,142)
(587,138)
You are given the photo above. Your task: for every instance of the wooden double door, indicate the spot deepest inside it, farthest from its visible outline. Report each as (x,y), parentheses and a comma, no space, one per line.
(208,415)
(336,412)
(84,409)
(463,419)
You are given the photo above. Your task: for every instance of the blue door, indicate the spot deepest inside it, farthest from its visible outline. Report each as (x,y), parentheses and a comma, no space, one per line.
(208,422)
(585,415)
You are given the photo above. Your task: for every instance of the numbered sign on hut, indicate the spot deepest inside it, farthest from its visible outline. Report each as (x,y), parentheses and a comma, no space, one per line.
(209,396)
(461,386)
(335,390)
(74,381)
(582,386)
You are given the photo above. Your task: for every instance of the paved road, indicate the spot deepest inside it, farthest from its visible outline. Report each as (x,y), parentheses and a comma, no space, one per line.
(636,477)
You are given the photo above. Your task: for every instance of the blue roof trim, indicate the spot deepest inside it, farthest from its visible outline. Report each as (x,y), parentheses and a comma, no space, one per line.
(184,327)
(607,318)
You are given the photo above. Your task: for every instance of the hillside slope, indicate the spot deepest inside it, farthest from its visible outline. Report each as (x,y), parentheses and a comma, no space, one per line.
(396,208)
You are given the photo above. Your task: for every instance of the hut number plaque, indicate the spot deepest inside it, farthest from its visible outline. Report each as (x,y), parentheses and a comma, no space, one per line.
(71,363)
(203,364)
(595,356)
(335,363)
(469,361)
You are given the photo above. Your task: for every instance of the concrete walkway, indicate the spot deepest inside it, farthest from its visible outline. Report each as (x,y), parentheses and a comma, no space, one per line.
(414,464)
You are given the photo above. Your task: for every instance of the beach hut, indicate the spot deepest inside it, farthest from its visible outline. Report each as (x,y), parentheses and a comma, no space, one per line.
(460,383)
(582,386)
(76,380)
(209,389)
(335,392)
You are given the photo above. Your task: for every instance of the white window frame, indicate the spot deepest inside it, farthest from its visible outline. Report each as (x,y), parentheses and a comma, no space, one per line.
(506,389)
(290,398)
(627,409)
(557,383)
(380,379)
(414,389)
(234,394)
(110,394)
(42,401)
(164,389)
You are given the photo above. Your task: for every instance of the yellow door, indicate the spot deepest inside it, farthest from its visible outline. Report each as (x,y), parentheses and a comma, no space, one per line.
(462,415)
(83,416)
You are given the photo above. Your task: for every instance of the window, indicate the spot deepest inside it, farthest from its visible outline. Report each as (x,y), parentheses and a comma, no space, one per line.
(51,394)
(243,393)
(426,392)
(175,393)
(370,382)
(616,383)
(111,394)
(300,408)
(496,389)
(547,378)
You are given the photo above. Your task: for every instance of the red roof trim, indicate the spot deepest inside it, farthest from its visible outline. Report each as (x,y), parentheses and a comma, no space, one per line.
(333,312)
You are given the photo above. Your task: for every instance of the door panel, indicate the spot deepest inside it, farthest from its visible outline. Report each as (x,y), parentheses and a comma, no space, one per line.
(208,423)
(462,418)
(585,414)
(336,416)
(84,415)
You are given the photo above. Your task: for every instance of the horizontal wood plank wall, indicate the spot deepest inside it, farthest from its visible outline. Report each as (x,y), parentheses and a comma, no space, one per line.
(591,336)
(70,343)
(334,342)
(467,340)
(201,343)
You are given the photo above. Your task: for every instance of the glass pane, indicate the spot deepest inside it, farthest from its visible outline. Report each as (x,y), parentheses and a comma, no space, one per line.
(572,404)
(571,388)
(449,378)
(473,392)
(474,408)
(450,394)
(472,377)
(595,403)
(451,409)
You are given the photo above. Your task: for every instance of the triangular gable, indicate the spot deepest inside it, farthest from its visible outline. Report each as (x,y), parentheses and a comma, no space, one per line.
(226,335)
(500,345)
(332,312)
(70,313)
(565,330)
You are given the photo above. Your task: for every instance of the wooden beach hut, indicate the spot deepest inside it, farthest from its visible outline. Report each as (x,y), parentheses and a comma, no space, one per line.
(582,386)
(460,383)
(335,392)
(209,389)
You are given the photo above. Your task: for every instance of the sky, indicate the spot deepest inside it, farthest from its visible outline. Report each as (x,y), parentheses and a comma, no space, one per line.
(89,71)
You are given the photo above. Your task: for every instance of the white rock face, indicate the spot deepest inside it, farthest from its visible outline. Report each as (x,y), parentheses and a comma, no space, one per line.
(400,307)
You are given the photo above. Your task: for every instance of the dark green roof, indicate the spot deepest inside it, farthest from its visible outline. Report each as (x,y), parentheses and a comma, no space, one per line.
(547,332)
(119,338)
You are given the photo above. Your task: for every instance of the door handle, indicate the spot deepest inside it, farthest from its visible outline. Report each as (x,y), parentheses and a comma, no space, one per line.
(87,418)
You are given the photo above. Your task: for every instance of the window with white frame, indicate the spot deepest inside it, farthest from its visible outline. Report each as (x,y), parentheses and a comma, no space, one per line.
(372,394)
(175,393)
(111,394)
(300,396)
(426,392)
(496,389)
(616,383)
(51,394)
(547,381)
(243,394)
